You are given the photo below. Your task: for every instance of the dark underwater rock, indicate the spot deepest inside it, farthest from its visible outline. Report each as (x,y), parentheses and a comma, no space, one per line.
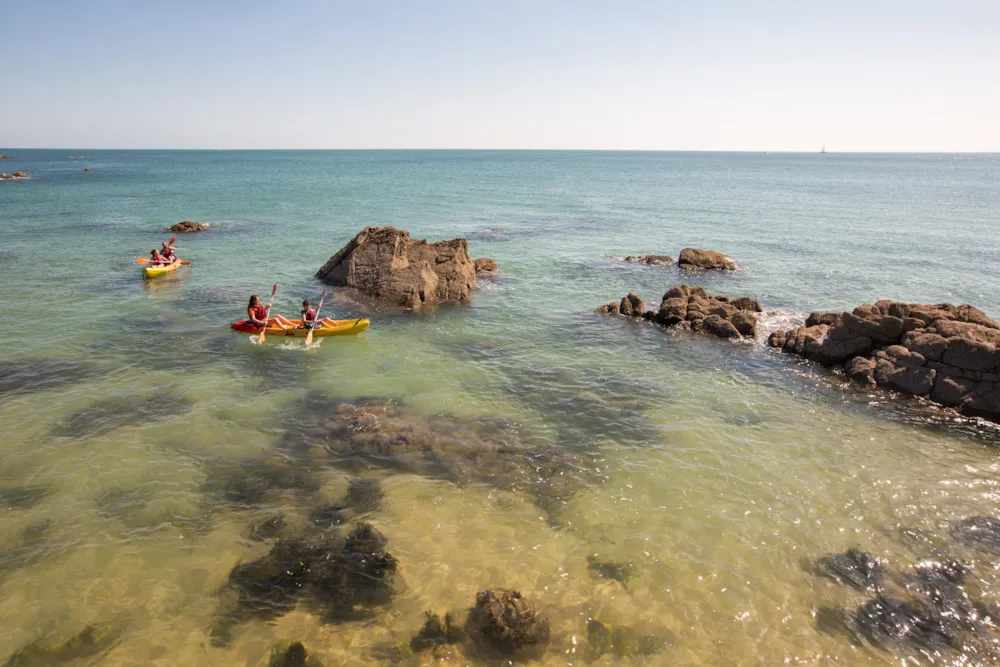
(23,497)
(886,621)
(267,528)
(620,572)
(109,414)
(328,516)
(255,482)
(856,568)
(436,631)
(342,579)
(292,655)
(35,542)
(29,375)
(118,503)
(980,532)
(507,623)
(89,643)
(623,642)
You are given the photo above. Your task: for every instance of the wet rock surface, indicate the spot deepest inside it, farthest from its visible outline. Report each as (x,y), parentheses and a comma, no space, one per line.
(486,266)
(186,226)
(944,352)
(506,623)
(855,568)
(339,579)
(696,259)
(386,264)
(693,307)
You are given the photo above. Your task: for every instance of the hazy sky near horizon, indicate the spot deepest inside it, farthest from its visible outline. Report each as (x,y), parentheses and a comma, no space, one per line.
(855,75)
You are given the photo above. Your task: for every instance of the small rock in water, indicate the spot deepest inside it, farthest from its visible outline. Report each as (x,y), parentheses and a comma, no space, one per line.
(507,623)
(292,655)
(267,528)
(856,568)
(435,632)
(980,532)
(621,572)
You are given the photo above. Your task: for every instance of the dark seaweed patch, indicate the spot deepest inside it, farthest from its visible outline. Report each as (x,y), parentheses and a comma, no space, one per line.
(35,542)
(39,375)
(114,413)
(267,528)
(855,568)
(91,642)
(257,482)
(292,655)
(23,497)
(623,642)
(620,572)
(979,532)
(124,504)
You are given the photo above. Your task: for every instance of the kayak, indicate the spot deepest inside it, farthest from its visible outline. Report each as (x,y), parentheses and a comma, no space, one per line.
(157,271)
(340,328)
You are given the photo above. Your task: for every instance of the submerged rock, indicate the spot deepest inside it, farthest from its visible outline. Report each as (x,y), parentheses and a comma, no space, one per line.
(341,579)
(24,497)
(980,532)
(189,226)
(701,260)
(252,483)
(620,572)
(267,528)
(507,623)
(89,643)
(292,655)
(436,631)
(385,263)
(856,568)
(886,621)
(622,642)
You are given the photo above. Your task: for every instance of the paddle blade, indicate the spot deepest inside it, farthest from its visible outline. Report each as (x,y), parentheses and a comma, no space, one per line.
(172,240)
(142,260)
(260,338)
(274,290)
(185,263)
(309,338)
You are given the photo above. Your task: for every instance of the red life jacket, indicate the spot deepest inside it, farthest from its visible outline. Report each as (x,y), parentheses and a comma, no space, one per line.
(309,315)
(168,255)
(258,312)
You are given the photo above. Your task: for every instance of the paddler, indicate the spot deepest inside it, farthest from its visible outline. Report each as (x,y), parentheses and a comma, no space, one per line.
(259,316)
(168,253)
(156,259)
(308,315)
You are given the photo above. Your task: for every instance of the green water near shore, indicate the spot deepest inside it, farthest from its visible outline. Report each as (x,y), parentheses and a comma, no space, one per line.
(718,470)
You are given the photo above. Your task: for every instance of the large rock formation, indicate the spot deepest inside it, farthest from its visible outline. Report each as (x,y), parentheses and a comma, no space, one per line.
(694,307)
(945,352)
(189,226)
(385,263)
(699,260)
(17,175)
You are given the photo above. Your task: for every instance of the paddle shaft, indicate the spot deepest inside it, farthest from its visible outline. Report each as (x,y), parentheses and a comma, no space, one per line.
(309,336)
(267,314)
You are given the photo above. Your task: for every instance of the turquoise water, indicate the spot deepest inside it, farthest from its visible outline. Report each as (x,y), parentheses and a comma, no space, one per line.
(716,469)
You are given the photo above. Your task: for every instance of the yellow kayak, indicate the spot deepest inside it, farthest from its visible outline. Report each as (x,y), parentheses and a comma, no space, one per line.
(157,271)
(327,328)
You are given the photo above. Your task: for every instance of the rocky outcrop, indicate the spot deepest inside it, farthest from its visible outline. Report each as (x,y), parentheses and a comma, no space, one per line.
(189,226)
(693,306)
(651,260)
(695,259)
(486,266)
(945,352)
(87,169)
(8,157)
(17,175)
(385,263)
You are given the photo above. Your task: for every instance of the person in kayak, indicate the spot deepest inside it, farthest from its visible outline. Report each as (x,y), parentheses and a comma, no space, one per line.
(259,316)
(308,315)
(156,259)
(168,253)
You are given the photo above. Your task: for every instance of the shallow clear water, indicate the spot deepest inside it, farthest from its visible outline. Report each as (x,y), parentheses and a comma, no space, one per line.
(719,471)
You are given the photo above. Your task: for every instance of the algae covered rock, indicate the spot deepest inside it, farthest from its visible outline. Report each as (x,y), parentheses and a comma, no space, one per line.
(855,568)
(437,631)
(623,642)
(186,226)
(620,572)
(292,655)
(696,259)
(506,622)
(92,641)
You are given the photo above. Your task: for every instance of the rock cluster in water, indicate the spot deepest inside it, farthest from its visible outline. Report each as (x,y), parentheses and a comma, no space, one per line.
(691,259)
(342,579)
(17,175)
(8,157)
(651,260)
(506,622)
(189,226)
(692,306)
(385,263)
(945,352)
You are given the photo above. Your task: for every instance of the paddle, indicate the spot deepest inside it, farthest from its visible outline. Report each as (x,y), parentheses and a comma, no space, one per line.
(145,260)
(260,339)
(309,336)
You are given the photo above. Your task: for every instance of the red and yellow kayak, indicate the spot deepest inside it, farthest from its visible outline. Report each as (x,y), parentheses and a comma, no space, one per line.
(337,328)
(157,271)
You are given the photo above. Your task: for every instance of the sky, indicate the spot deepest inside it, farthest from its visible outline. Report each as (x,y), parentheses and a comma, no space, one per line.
(853,75)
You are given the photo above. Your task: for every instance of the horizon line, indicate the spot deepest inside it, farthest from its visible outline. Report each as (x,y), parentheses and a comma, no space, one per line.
(512,150)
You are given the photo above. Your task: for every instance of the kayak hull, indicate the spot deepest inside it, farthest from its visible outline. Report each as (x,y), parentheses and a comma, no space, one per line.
(342,328)
(157,271)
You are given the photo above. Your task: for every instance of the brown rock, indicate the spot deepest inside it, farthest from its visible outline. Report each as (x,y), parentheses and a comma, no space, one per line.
(971,314)
(950,391)
(745,323)
(820,317)
(861,370)
(917,381)
(697,259)
(7,157)
(632,306)
(19,174)
(832,352)
(901,356)
(748,304)
(507,622)
(931,346)
(672,311)
(715,325)
(609,309)
(651,260)
(678,292)
(978,332)
(486,266)
(189,226)
(88,169)
(970,355)
(983,401)
(385,263)
(777,338)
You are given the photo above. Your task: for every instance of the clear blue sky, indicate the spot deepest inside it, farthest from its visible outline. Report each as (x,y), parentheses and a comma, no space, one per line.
(864,75)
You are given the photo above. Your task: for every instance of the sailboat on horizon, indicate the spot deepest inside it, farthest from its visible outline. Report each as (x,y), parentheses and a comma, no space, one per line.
(823,149)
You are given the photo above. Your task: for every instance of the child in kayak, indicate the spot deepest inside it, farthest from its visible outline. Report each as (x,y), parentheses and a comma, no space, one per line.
(258,314)
(308,315)
(155,258)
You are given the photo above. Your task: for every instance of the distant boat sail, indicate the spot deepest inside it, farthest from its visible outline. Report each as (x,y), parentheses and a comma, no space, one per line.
(823,150)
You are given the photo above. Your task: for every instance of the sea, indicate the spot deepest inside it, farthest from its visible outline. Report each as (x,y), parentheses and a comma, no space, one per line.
(676,489)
